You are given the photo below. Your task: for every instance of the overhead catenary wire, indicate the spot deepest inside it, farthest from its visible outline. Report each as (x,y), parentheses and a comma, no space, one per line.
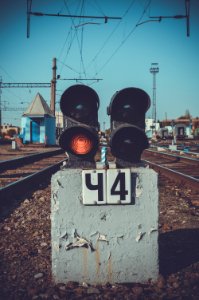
(72,37)
(8,90)
(78,42)
(99,7)
(111,34)
(66,40)
(147,4)
(68,35)
(81,43)
(67,66)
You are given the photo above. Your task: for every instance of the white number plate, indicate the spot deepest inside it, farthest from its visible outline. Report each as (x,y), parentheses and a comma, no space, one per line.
(114,186)
(94,187)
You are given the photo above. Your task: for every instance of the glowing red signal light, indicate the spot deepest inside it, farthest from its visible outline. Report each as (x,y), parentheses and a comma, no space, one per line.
(81,144)
(80,140)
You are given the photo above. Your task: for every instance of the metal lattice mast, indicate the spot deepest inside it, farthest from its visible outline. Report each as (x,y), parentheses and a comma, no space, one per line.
(154,70)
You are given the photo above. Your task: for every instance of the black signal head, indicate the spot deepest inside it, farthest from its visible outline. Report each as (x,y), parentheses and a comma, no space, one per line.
(80,103)
(127,142)
(128,105)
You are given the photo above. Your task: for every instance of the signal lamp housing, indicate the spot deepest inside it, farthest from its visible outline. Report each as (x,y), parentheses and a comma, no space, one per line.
(79,140)
(127,111)
(79,105)
(127,142)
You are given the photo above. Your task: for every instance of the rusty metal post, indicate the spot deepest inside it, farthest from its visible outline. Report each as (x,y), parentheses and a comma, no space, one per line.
(53,87)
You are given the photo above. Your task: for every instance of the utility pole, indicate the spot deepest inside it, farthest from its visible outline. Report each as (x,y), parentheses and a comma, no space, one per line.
(154,70)
(53,87)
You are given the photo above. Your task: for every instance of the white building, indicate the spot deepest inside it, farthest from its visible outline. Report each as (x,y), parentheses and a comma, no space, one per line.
(59,119)
(150,127)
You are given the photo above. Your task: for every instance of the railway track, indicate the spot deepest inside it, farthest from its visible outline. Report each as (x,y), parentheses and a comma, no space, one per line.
(17,176)
(20,175)
(181,169)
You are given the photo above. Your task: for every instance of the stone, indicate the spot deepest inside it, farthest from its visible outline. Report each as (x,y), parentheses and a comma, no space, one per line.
(38,275)
(92,290)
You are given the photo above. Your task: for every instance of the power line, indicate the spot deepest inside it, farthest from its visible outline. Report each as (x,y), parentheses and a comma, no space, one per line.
(6,108)
(40,14)
(25,85)
(12,80)
(82,40)
(177,17)
(105,18)
(7,73)
(72,69)
(78,42)
(62,49)
(98,6)
(68,50)
(126,38)
(111,34)
(18,85)
(81,79)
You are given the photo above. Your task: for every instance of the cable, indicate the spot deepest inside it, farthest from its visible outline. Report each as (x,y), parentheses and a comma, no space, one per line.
(82,39)
(8,90)
(98,6)
(72,69)
(110,35)
(7,73)
(126,38)
(61,51)
(79,45)
(69,47)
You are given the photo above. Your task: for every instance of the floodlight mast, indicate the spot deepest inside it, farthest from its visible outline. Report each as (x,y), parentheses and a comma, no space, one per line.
(154,70)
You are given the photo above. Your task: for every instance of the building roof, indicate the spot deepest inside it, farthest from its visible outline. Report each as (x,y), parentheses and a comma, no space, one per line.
(38,108)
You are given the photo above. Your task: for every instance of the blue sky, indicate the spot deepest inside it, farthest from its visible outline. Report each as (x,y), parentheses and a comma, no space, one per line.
(119,52)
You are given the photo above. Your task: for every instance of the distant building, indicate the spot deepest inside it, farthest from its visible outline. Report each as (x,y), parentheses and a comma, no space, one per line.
(150,127)
(9,129)
(38,123)
(188,127)
(59,123)
(59,119)
(148,124)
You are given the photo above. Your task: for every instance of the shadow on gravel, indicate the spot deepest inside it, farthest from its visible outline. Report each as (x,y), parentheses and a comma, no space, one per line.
(10,203)
(178,249)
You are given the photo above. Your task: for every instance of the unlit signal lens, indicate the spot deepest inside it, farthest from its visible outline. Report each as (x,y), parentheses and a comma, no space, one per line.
(81,144)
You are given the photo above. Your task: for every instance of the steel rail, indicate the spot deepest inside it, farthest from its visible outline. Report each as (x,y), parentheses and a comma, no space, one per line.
(175,175)
(16,162)
(179,157)
(19,187)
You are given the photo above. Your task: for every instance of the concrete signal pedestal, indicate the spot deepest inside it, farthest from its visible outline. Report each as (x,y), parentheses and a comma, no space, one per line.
(105,242)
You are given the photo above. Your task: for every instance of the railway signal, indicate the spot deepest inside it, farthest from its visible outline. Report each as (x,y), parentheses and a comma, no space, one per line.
(127,111)
(79,104)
